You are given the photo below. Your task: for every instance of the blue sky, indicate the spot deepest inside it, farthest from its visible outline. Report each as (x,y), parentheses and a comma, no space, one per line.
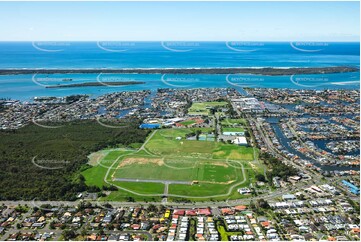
(202,21)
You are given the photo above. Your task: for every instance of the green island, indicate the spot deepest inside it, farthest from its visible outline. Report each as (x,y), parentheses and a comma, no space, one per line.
(95,84)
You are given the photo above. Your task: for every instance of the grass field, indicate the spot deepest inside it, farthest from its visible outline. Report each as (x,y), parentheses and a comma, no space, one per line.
(142,187)
(231,129)
(188,122)
(166,158)
(203,107)
(101,161)
(164,143)
(234,122)
(186,169)
(233,152)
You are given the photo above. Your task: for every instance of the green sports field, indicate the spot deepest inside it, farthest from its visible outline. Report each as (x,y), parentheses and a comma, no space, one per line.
(205,168)
(202,108)
(175,169)
(233,122)
(231,129)
(188,122)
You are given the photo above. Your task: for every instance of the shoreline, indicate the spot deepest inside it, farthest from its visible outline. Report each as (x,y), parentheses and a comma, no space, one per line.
(267,71)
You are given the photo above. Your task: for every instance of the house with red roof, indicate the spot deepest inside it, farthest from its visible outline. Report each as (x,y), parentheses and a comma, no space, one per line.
(179,212)
(204,211)
(240,208)
(191,212)
(266,224)
(227,211)
(135,226)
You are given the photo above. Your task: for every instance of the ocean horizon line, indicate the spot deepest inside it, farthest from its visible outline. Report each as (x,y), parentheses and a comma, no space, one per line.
(202,41)
(179,68)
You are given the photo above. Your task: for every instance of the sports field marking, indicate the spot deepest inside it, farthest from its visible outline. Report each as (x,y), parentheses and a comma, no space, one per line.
(100,161)
(94,158)
(219,183)
(232,165)
(219,164)
(140,161)
(180,168)
(188,166)
(230,189)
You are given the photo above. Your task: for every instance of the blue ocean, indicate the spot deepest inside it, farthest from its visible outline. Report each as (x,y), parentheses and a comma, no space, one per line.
(122,54)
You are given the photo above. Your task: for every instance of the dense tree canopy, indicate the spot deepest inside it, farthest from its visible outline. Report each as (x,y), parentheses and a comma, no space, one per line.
(277,167)
(45,164)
